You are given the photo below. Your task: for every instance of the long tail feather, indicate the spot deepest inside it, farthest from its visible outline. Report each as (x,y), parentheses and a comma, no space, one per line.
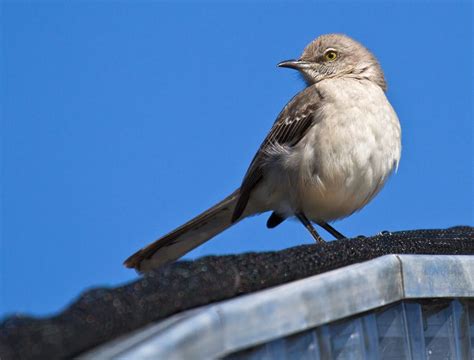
(185,238)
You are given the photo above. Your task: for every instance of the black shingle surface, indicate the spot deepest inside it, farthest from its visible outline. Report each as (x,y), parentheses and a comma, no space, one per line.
(103,314)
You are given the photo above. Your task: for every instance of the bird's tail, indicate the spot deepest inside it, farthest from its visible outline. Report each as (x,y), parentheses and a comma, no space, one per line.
(185,238)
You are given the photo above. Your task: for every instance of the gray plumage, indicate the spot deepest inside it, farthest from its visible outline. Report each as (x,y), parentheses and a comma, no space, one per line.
(327,155)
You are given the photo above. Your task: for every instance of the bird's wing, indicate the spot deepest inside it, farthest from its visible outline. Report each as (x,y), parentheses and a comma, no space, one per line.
(289,128)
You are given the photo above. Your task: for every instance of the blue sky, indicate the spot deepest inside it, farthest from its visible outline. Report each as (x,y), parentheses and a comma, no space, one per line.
(122,120)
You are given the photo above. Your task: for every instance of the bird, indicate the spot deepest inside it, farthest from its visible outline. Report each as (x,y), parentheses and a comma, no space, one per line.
(329,152)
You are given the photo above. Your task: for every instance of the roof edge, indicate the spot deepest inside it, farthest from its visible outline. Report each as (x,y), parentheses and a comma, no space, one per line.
(218,329)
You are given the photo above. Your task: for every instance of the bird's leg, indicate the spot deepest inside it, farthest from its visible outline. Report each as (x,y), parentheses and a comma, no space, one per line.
(307,224)
(331,230)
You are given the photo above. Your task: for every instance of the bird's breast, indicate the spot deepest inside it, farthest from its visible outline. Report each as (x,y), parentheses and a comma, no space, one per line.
(345,158)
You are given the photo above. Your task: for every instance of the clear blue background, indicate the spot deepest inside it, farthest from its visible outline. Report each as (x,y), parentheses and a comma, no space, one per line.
(122,120)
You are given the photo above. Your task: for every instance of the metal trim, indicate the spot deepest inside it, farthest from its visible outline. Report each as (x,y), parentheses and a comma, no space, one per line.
(220,328)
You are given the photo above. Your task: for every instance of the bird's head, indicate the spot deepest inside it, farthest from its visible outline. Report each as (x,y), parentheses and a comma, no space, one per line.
(336,56)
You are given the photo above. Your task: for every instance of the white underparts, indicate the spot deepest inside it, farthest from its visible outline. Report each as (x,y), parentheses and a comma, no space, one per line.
(342,162)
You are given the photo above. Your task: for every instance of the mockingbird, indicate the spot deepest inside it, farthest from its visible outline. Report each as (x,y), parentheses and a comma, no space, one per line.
(329,152)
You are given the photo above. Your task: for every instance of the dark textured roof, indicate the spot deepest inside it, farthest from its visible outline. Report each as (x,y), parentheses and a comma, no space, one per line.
(102,314)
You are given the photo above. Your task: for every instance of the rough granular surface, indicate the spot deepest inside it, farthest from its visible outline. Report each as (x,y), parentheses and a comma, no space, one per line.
(102,314)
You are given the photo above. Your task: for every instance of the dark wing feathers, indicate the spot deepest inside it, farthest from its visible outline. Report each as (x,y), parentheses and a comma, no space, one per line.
(289,128)
(274,220)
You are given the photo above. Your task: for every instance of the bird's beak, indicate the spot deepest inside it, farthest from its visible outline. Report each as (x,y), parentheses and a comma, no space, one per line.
(294,64)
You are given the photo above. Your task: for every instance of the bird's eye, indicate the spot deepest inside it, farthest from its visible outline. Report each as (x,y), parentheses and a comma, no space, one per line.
(330,55)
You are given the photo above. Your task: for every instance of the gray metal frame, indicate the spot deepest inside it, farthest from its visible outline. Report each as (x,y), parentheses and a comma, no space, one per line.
(228,326)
